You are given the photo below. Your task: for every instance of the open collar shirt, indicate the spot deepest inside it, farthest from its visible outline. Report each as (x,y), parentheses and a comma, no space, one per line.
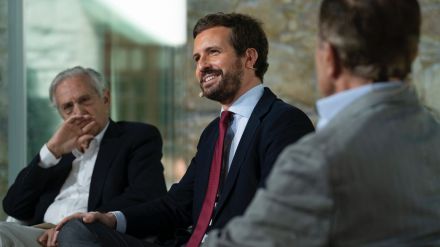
(74,194)
(242,109)
(330,106)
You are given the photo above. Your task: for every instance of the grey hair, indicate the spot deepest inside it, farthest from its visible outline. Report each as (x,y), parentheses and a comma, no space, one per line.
(95,79)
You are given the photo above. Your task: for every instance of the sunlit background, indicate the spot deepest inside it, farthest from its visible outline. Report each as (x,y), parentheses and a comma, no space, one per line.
(143,48)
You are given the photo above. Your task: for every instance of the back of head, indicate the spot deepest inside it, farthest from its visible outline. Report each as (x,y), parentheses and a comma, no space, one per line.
(247,32)
(373,39)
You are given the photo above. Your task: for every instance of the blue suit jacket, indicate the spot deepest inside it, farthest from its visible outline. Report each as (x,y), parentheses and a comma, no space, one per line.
(272,126)
(127,171)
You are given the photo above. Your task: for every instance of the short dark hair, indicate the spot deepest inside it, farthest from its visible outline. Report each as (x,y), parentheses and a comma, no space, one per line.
(374,39)
(247,32)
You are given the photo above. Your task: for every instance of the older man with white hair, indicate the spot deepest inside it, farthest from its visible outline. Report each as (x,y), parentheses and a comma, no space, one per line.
(91,163)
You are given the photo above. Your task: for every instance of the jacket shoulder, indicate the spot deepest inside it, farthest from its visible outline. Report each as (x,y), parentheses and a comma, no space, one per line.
(285,110)
(136,128)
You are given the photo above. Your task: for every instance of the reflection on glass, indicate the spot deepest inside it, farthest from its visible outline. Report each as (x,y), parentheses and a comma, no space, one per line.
(134,44)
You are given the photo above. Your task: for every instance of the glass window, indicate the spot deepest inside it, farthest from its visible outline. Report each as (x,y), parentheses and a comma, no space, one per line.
(3,102)
(135,45)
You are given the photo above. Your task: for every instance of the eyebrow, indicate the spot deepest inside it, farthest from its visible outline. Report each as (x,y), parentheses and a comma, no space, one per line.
(208,49)
(79,99)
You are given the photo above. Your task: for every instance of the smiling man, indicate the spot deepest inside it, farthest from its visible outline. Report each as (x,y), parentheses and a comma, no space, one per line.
(235,153)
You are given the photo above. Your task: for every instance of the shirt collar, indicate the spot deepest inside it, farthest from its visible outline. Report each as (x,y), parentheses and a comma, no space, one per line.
(244,105)
(329,106)
(99,136)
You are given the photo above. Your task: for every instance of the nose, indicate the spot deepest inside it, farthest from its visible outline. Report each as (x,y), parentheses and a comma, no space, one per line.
(202,63)
(79,109)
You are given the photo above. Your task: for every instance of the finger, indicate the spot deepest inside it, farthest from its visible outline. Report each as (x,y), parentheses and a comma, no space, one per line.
(90,128)
(74,124)
(86,119)
(86,138)
(53,241)
(83,142)
(79,120)
(71,119)
(68,218)
(74,119)
(91,217)
(42,239)
(110,220)
(49,238)
(80,123)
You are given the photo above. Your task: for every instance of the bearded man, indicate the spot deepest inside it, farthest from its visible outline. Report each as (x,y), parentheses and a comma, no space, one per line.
(231,163)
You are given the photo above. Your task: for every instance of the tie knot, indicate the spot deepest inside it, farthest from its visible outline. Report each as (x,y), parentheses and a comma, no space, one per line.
(225,117)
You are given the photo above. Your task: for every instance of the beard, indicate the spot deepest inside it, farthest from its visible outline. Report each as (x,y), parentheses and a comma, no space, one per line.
(228,87)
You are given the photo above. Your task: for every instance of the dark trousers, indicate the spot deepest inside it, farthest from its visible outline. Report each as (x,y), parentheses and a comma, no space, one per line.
(78,234)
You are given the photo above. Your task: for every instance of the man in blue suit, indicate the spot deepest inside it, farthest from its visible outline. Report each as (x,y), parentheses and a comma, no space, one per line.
(90,162)
(230,56)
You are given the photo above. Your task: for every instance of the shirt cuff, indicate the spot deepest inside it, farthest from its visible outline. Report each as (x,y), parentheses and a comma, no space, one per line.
(47,159)
(121,221)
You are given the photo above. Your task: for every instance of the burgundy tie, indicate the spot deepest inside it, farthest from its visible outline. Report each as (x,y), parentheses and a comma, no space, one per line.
(214,178)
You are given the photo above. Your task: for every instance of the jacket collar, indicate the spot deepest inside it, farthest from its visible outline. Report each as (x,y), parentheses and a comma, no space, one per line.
(402,94)
(108,148)
(260,111)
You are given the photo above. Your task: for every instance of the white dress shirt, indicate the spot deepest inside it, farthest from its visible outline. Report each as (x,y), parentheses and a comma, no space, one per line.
(74,194)
(242,109)
(330,106)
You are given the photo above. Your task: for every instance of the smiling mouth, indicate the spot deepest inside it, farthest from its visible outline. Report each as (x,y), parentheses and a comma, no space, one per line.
(210,75)
(208,78)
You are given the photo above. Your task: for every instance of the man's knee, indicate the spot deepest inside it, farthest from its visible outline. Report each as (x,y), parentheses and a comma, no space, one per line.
(6,225)
(6,234)
(74,231)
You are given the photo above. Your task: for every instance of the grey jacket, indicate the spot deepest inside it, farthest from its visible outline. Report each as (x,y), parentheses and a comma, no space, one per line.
(371,177)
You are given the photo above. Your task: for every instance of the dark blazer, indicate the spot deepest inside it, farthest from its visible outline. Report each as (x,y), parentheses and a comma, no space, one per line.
(272,126)
(127,171)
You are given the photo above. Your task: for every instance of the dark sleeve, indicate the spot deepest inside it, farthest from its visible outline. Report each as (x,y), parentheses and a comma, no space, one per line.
(284,126)
(145,179)
(34,187)
(167,213)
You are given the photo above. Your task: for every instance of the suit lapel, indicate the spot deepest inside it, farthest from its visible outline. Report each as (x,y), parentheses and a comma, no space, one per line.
(107,150)
(245,143)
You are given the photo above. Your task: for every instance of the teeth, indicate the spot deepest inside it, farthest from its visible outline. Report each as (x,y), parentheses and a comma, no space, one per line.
(208,78)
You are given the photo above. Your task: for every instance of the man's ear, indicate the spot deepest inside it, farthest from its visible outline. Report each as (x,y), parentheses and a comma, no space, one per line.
(106,96)
(332,60)
(251,56)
